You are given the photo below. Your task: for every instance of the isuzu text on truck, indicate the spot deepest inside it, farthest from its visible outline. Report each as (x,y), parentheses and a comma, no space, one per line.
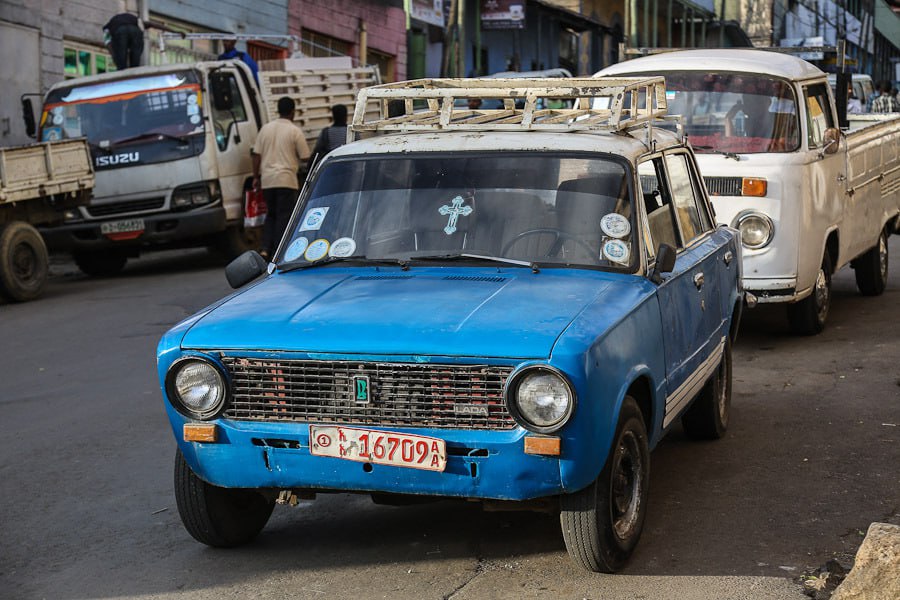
(807,197)
(171,150)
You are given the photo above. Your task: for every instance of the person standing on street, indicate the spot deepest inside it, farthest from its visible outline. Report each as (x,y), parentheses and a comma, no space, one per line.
(124,38)
(331,137)
(885,103)
(277,153)
(233,53)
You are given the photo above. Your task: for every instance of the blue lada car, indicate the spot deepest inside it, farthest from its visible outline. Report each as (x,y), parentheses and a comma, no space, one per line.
(504,316)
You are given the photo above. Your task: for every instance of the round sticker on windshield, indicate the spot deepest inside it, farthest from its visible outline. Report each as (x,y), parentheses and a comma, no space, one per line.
(317,250)
(195,119)
(616,251)
(615,225)
(192,99)
(296,249)
(58,119)
(342,248)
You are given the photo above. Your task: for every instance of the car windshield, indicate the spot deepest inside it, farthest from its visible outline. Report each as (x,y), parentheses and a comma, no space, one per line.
(161,110)
(529,207)
(734,112)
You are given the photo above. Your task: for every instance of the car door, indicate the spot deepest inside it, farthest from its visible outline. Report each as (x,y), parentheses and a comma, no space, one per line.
(690,307)
(234,136)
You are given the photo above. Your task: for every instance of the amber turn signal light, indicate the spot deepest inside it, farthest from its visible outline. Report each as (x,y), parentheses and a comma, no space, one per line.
(545,446)
(753,187)
(200,432)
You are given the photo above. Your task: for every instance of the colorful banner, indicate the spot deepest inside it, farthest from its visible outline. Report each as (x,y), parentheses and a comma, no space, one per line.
(428,11)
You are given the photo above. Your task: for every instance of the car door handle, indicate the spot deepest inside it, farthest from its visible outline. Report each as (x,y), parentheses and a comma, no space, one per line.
(728,258)
(698,280)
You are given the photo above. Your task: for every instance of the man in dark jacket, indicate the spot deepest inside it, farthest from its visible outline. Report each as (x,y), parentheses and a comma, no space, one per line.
(331,137)
(125,40)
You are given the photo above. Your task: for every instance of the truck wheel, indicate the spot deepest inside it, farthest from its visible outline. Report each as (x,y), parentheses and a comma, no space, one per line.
(216,516)
(100,264)
(808,316)
(24,263)
(871,268)
(236,240)
(707,418)
(602,523)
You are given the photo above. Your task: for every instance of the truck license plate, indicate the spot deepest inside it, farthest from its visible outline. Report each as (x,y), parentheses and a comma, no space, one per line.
(122,226)
(379,447)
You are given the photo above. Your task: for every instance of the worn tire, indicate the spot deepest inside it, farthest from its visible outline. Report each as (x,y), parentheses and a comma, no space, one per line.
(101,264)
(871,268)
(808,316)
(216,516)
(707,418)
(602,523)
(24,263)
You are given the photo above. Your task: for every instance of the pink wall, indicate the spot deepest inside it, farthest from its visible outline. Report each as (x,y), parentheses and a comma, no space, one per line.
(385,26)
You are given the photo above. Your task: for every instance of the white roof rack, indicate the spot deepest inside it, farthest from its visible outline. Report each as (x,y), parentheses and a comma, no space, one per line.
(429,104)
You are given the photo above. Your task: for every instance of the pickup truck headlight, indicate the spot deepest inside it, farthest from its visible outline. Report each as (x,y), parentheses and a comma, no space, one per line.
(756,228)
(196,388)
(540,399)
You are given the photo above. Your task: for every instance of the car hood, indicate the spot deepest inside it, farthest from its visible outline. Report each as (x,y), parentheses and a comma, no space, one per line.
(432,311)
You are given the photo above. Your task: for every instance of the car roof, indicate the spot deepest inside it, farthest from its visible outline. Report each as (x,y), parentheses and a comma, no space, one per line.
(724,59)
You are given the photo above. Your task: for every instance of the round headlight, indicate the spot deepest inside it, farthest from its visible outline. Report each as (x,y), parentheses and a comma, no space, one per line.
(542,400)
(198,387)
(756,229)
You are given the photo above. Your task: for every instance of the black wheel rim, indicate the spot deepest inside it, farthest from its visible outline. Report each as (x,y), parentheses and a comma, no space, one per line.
(24,262)
(626,490)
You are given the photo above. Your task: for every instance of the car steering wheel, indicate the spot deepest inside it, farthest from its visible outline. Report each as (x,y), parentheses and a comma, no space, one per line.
(556,246)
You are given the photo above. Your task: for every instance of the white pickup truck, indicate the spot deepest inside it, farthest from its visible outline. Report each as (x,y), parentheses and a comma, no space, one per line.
(807,197)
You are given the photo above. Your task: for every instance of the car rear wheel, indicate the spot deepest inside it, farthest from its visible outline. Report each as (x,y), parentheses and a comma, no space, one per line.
(871,268)
(707,418)
(808,316)
(216,516)
(602,523)
(24,263)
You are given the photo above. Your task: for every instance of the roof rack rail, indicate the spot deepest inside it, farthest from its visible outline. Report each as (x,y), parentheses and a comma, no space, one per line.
(429,104)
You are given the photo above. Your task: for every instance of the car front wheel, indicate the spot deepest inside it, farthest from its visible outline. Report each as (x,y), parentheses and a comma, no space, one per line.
(602,523)
(216,516)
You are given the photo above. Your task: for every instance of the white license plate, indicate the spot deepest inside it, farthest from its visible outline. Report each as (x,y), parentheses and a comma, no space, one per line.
(122,226)
(379,447)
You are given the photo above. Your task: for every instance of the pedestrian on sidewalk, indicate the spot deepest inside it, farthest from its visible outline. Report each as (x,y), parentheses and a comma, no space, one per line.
(332,136)
(124,38)
(278,151)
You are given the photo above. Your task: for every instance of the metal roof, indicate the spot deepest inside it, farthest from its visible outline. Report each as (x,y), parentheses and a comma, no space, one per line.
(718,59)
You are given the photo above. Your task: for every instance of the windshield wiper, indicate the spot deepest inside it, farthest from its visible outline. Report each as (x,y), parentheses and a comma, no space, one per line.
(178,138)
(535,267)
(733,155)
(404,265)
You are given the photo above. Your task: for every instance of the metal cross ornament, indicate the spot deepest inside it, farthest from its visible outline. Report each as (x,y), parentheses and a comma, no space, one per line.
(454,211)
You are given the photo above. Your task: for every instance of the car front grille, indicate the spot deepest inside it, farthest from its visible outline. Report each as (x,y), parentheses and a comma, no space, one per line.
(130,206)
(724,186)
(398,394)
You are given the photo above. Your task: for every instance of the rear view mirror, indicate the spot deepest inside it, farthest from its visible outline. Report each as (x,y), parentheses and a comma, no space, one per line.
(245,268)
(665,262)
(28,117)
(220,86)
(832,138)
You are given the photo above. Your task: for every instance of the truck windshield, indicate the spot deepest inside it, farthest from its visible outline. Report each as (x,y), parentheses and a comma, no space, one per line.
(735,112)
(150,119)
(528,207)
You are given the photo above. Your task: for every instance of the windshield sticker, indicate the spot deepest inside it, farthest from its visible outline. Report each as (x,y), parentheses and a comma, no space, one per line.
(342,248)
(454,211)
(192,99)
(317,250)
(314,219)
(615,225)
(616,251)
(195,119)
(193,109)
(52,134)
(58,118)
(296,249)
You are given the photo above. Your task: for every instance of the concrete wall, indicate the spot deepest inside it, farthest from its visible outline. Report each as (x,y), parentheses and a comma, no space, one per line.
(385,24)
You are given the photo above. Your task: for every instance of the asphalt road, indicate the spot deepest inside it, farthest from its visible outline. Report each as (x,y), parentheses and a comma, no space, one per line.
(86,460)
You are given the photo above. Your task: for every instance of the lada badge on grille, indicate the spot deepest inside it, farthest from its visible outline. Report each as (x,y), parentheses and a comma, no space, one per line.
(361,393)
(478,410)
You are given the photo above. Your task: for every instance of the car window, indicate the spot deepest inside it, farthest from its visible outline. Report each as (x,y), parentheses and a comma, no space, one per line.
(687,196)
(223,119)
(658,204)
(818,114)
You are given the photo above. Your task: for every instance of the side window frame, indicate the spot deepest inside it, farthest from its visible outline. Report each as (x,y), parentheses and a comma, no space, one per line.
(705,213)
(232,117)
(659,170)
(823,92)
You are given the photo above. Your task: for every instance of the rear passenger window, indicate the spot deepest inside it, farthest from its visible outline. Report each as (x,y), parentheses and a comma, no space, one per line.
(687,196)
